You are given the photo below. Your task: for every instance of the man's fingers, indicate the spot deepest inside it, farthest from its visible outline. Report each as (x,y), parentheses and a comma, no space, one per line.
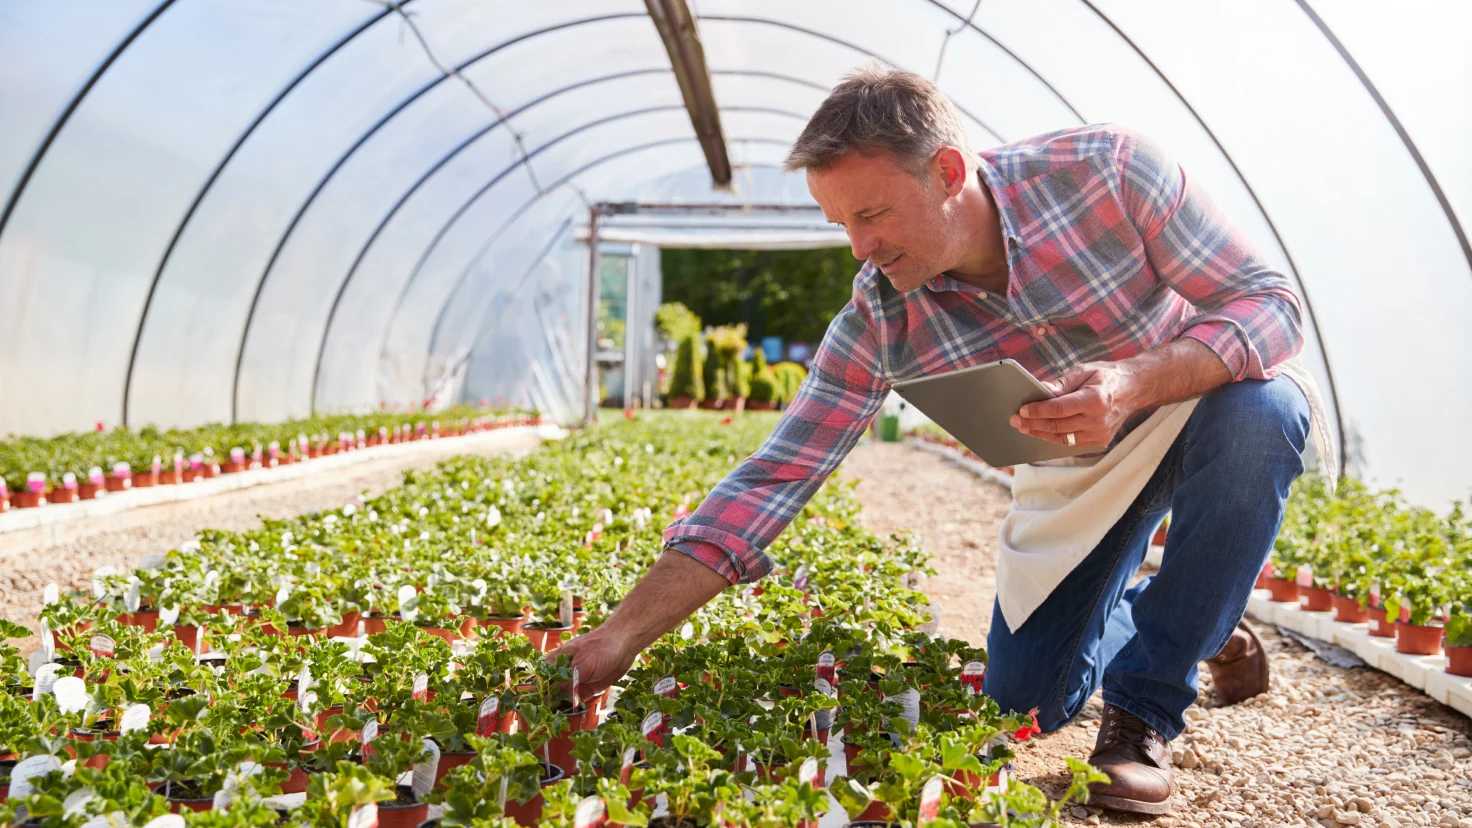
(1080,438)
(1084,401)
(1063,425)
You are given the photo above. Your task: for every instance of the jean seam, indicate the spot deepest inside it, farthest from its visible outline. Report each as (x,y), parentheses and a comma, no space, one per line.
(1079,633)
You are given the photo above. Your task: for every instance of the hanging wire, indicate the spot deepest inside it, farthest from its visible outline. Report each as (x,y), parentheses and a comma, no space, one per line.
(950,33)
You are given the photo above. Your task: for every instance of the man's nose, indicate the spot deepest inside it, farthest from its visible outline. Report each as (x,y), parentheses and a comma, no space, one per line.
(861,243)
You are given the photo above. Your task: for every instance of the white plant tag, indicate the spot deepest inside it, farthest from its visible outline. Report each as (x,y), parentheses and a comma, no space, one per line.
(76,801)
(71,694)
(628,765)
(154,562)
(116,819)
(929,802)
(667,687)
(971,675)
(44,680)
(910,700)
(1305,575)
(283,594)
(564,608)
(687,631)
(304,687)
(653,726)
(27,769)
(485,723)
(50,595)
(420,688)
(800,580)
(422,782)
(408,603)
(591,813)
(368,734)
(808,771)
(165,821)
(99,589)
(48,641)
(133,597)
(168,616)
(134,718)
(366,816)
(102,645)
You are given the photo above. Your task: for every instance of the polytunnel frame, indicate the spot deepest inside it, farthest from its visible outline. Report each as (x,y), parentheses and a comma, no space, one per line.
(967,22)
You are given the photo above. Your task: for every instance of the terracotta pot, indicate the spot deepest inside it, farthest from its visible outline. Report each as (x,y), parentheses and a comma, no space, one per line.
(374,623)
(118,484)
(1315,599)
(1349,611)
(559,748)
(873,817)
(5,503)
(449,762)
(188,635)
(1459,660)
(1159,538)
(147,619)
(170,477)
(144,481)
(393,815)
(209,470)
(348,627)
(1416,639)
(314,452)
(230,467)
(972,783)
(63,496)
(544,639)
(1380,627)
(89,490)
(761,405)
(101,732)
(27,500)
(185,800)
(510,626)
(1284,590)
(712,405)
(530,812)
(1262,576)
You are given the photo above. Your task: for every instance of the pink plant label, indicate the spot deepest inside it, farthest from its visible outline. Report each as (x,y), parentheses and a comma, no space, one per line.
(827,669)
(667,687)
(1375,596)
(421,687)
(653,727)
(122,470)
(1305,575)
(95,476)
(808,772)
(627,769)
(591,813)
(4,491)
(929,801)
(102,646)
(365,816)
(485,723)
(69,481)
(800,580)
(971,676)
(36,483)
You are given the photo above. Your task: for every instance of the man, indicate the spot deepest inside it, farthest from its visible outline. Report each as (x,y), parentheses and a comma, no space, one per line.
(1092,260)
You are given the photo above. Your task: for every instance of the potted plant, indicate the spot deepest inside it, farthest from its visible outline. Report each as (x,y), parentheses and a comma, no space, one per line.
(689,777)
(687,380)
(1459,624)
(197,765)
(1420,593)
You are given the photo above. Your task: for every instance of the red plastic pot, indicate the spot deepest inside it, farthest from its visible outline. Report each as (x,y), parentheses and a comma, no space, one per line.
(530,812)
(1459,661)
(171,477)
(1284,590)
(63,496)
(1380,627)
(89,491)
(1263,576)
(1417,639)
(559,748)
(1349,611)
(209,470)
(348,627)
(449,762)
(394,815)
(5,507)
(27,500)
(544,639)
(179,803)
(231,467)
(147,619)
(1315,599)
(1159,538)
(114,483)
(144,481)
(510,626)
(188,635)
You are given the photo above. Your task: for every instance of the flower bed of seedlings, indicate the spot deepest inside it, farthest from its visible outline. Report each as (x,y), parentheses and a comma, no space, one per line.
(64,469)
(389,657)
(1370,558)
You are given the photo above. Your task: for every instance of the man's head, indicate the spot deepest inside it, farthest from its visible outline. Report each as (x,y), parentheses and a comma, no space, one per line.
(887,157)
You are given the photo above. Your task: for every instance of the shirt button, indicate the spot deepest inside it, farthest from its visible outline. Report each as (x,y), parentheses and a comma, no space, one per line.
(1042,331)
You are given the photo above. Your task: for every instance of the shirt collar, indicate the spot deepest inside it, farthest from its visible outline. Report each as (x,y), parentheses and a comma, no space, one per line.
(991,178)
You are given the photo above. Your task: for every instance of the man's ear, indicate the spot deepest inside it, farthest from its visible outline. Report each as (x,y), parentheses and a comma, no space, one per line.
(951,165)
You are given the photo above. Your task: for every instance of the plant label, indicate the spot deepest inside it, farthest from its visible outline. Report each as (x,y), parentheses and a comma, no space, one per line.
(800,580)
(69,481)
(422,782)
(44,680)
(808,771)
(971,675)
(929,801)
(910,701)
(591,813)
(485,723)
(667,687)
(827,668)
(76,801)
(50,595)
(133,598)
(168,616)
(116,819)
(627,769)
(652,727)
(564,608)
(408,603)
(367,735)
(94,476)
(48,641)
(102,646)
(577,700)
(71,694)
(303,685)
(134,718)
(420,689)
(27,769)
(165,821)
(153,562)
(283,594)
(364,816)
(36,482)
(687,631)
(1305,575)
(99,589)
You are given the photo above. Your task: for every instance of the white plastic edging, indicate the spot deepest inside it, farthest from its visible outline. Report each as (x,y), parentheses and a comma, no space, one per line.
(1425,673)
(111,503)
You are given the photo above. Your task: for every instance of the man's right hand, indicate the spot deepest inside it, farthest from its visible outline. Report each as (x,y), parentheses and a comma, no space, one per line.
(676,586)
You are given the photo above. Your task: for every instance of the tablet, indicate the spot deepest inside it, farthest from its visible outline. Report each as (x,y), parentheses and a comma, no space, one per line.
(974,405)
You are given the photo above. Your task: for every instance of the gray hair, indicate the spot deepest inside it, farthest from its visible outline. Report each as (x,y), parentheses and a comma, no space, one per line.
(880,109)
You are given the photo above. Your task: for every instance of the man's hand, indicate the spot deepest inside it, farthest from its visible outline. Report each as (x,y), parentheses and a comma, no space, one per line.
(676,586)
(1095,398)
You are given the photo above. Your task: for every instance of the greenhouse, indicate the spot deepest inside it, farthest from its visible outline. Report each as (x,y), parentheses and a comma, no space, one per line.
(368,364)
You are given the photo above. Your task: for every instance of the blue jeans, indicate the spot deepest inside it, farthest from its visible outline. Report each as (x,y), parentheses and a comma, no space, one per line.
(1225,482)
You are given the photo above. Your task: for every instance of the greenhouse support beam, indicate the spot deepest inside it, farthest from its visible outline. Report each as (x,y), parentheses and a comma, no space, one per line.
(676,27)
(590,388)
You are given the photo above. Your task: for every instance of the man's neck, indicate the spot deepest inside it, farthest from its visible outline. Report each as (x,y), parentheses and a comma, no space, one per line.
(985,264)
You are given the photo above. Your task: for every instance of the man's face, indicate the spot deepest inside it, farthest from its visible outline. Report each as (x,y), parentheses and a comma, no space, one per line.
(892,217)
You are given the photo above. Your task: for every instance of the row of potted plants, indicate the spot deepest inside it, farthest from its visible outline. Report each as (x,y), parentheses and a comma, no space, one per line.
(220,673)
(1371,558)
(72,467)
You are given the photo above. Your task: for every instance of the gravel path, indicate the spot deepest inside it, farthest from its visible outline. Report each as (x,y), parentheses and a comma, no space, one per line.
(124,539)
(1327,746)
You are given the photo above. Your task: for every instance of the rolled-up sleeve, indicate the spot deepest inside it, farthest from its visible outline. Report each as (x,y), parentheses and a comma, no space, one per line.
(1249,315)
(749,508)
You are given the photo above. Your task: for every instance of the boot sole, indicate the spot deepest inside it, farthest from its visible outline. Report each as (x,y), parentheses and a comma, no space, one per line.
(1132,806)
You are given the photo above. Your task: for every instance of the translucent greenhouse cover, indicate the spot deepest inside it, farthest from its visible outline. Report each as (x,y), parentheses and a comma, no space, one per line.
(232,209)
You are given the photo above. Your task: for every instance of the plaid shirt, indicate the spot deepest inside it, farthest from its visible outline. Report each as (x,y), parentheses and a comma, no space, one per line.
(1113,251)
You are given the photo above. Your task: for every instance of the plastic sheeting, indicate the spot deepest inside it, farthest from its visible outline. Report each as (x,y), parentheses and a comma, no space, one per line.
(252,209)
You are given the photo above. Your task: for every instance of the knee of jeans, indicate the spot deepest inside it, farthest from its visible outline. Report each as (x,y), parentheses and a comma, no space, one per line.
(1019,691)
(1255,417)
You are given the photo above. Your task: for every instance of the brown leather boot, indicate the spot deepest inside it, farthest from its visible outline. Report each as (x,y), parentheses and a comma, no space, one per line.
(1240,670)
(1137,759)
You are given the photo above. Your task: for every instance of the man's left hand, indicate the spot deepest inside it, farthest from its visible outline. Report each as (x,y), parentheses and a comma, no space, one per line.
(1091,402)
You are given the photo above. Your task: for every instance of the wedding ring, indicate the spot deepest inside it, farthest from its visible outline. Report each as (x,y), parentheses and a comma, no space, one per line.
(1071,440)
